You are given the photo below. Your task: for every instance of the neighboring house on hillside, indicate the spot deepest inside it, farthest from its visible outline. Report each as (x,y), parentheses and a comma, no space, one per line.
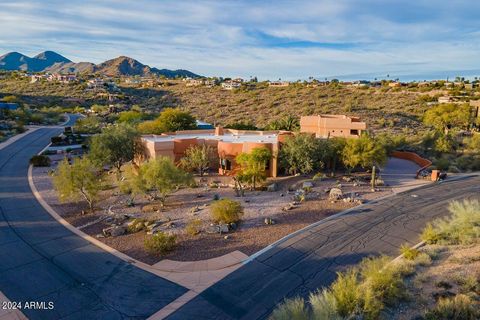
(278,83)
(204,125)
(231,84)
(325,126)
(189,82)
(446,99)
(63,78)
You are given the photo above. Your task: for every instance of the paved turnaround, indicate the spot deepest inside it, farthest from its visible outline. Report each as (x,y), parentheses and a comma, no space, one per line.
(310,259)
(42,261)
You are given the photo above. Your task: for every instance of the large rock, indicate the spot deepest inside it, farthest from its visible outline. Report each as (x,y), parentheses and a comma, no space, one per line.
(307,185)
(272,187)
(335,194)
(118,231)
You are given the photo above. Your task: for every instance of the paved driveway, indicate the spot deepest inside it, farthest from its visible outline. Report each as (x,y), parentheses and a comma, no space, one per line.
(40,260)
(310,260)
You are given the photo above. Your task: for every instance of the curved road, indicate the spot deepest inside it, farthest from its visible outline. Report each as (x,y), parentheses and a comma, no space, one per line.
(310,259)
(42,261)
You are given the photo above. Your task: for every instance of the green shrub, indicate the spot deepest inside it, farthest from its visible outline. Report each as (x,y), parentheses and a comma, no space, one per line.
(160,243)
(324,306)
(347,292)
(136,225)
(461,227)
(40,161)
(460,307)
(408,252)
(193,227)
(226,211)
(291,309)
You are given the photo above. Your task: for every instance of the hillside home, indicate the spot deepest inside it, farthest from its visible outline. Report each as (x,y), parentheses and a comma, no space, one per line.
(194,82)
(326,126)
(230,85)
(226,143)
(278,83)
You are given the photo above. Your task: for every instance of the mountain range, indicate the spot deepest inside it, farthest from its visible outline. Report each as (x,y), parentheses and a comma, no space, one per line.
(53,62)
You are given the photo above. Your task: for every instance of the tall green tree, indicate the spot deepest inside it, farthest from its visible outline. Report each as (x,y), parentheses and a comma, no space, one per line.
(300,154)
(253,166)
(448,116)
(115,146)
(81,180)
(363,152)
(159,177)
(198,158)
(169,120)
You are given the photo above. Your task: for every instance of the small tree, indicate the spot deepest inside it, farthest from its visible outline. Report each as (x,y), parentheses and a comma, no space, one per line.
(81,180)
(253,166)
(447,116)
(363,152)
(226,211)
(197,158)
(115,146)
(160,177)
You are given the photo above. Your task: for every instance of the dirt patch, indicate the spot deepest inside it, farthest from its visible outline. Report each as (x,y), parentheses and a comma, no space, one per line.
(186,204)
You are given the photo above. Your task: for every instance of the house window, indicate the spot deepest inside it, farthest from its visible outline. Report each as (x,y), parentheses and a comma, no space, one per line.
(354,132)
(226,164)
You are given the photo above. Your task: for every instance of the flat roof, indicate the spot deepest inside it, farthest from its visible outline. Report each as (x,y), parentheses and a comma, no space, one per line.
(228,137)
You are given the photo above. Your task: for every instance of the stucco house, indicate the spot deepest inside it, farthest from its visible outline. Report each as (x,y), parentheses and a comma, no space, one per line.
(330,125)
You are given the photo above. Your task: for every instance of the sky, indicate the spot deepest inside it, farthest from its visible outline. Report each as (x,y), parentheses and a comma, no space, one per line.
(276,39)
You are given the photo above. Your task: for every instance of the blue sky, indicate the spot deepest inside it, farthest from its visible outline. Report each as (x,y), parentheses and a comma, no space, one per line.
(268,39)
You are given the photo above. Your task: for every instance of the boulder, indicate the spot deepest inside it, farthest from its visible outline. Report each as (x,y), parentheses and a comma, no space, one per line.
(335,194)
(272,187)
(307,185)
(118,231)
(269,221)
(212,229)
(223,228)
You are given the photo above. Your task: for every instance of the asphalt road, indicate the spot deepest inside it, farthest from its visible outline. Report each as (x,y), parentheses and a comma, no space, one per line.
(310,260)
(42,261)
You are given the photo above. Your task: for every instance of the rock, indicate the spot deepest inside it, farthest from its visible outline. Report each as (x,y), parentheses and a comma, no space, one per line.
(335,194)
(169,224)
(226,237)
(100,236)
(272,187)
(233,226)
(118,231)
(212,229)
(269,221)
(223,228)
(307,185)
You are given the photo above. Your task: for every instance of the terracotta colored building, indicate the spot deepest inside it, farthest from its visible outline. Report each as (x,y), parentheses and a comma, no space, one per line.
(325,126)
(227,143)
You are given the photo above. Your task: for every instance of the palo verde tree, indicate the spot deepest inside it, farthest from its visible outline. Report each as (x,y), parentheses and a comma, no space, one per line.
(159,177)
(363,152)
(448,116)
(115,146)
(198,158)
(81,180)
(253,166)
(300,154)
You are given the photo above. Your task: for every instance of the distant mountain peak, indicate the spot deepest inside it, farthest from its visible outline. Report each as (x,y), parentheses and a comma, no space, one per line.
(51,56)
(50,61)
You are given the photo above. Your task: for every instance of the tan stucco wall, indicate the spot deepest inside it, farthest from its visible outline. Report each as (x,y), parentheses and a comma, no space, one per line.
(332,126)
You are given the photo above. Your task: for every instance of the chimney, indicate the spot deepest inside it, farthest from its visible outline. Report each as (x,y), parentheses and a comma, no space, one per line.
(219,131)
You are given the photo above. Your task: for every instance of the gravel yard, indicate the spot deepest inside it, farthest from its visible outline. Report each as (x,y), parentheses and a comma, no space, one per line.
(251,235)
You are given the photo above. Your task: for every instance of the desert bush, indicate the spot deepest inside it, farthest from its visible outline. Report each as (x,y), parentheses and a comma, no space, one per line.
(423,259)
(193,227)
(226,211)
(460,307)
(160,243)
(324,306)
(408,252)
(461,227)
(136,225)
(40,161)
(291,309)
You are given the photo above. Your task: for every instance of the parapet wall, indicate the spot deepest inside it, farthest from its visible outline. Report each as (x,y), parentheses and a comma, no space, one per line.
(412,156)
